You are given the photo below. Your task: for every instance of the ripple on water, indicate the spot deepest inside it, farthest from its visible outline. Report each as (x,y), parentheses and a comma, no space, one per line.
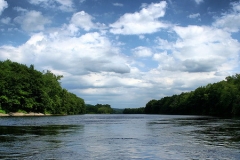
(119,137)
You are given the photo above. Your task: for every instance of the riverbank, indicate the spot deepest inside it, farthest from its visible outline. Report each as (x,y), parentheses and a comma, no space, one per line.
(19,114)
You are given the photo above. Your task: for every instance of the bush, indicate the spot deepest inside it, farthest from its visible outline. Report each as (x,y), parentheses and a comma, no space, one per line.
(2,111)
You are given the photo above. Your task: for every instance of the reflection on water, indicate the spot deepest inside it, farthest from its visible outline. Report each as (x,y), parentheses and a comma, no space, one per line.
(207,130)
(119,137)
(36,130)
(201,137)
(213,131)
(33,141)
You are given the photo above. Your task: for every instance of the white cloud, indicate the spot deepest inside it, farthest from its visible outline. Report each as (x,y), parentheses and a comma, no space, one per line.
(202,49)
(63,5)
(6,20)
(3,5)
(83,20)
(141,36)
(198,1)
(90,52)
(81,1)
(132,23)
(163,58)
(236,7)
(20,9)
(164,44)
(32,21)
(142,51)
(194,15)
(230,21)
(118,4)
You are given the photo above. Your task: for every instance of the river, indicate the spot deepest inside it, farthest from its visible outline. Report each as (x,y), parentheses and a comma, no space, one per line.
(160,137)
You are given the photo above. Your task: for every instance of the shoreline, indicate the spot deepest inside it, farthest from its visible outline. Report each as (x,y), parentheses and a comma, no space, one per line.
(18,114)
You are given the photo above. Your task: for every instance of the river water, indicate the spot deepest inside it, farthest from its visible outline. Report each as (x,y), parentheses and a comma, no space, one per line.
(119,137)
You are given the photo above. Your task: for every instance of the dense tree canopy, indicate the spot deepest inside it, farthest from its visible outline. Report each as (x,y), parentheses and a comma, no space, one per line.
(26,89)
(133,110)
(219,99)
(99,109)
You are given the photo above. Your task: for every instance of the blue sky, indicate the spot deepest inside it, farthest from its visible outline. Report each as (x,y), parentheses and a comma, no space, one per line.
(124,53)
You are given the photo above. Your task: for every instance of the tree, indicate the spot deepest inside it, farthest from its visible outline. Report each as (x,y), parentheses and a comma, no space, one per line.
(149,109)
(218,99)
(26,89)
(99,109)
(134,110)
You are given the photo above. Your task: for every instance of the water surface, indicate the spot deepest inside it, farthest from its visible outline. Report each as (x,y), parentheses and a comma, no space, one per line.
(119,137)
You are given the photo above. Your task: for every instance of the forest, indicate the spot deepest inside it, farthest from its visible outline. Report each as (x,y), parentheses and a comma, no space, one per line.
(99,109)
(140,110)
(220,99)
(24,89)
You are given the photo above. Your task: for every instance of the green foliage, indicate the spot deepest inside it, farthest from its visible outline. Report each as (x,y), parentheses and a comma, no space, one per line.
(2,111)
(99,109)
(219,99)
(21,111)
(117,111)
(27,90)
(134,110)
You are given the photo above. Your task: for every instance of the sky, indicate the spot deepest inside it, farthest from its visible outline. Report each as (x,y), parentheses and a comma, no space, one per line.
(122,52)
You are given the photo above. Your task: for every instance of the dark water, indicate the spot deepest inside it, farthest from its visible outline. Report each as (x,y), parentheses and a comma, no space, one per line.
(119,137)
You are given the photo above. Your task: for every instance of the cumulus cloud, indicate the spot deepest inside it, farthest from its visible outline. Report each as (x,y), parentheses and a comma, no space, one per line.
(90,52)
(132,23)
(62,5)
(32,21)
(142,51)
(200,65)
(164,44)
(230,21)
(82,20)
(198,49)
(3,5)
(164,58)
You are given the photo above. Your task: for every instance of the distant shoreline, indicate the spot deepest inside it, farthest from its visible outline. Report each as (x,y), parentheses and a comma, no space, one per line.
(18,114)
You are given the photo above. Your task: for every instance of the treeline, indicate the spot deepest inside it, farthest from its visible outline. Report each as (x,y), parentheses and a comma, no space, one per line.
(23,88)
(134,110)
(99,109)
(117,110)
(218,99)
